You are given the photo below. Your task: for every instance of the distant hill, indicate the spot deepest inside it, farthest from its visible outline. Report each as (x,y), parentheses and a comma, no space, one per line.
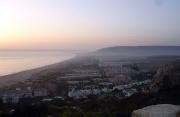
(139,51)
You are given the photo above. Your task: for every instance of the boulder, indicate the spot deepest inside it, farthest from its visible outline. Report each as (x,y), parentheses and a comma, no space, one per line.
(178,114)
(161,110)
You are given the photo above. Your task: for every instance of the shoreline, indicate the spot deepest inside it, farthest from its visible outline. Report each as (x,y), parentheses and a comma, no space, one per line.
(24,75)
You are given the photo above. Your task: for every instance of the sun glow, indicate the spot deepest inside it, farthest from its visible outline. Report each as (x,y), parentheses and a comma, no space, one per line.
(5,23)
(89,24)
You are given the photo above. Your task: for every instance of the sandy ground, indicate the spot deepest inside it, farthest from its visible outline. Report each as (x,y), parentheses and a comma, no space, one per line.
(24,75)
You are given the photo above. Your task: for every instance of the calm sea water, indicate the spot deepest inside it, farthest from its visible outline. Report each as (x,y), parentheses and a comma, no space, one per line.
(16,61)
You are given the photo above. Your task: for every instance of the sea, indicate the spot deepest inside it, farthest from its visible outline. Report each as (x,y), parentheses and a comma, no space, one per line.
(17,61)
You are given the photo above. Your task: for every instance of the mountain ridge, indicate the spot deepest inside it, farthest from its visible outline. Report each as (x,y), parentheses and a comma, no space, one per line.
(139,51)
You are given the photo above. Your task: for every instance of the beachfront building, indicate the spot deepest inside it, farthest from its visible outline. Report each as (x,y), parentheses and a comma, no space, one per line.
(14,96)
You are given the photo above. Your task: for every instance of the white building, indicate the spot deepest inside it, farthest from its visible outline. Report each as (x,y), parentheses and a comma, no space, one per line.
(40,92)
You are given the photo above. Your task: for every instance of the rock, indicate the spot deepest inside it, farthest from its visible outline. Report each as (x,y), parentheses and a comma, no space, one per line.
(178,114)
(162,110)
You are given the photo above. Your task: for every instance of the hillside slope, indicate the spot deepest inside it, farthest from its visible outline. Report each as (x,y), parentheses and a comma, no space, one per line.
(139,51)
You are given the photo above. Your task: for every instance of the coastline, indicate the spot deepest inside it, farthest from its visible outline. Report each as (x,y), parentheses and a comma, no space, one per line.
(22,76)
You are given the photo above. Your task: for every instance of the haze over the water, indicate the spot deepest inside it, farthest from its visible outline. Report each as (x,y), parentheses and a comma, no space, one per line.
(88,24)
(17,61)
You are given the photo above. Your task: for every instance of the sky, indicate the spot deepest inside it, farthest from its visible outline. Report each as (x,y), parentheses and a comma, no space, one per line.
(88,24)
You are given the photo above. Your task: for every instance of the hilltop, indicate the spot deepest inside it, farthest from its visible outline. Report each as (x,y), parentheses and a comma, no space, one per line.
(139,51)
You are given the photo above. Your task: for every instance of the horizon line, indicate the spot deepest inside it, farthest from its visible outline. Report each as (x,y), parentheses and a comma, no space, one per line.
(58,49)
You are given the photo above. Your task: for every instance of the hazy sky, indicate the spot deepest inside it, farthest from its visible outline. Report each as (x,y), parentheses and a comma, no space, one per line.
(88,24)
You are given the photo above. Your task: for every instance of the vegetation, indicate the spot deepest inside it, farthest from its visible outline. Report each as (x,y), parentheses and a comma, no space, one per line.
(108,106)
